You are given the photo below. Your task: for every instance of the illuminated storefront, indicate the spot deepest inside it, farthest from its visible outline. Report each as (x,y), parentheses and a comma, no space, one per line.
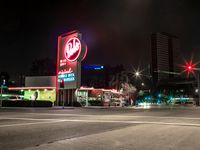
(59,89)
(99,97)
(37,93)
(65,88)
(38,88)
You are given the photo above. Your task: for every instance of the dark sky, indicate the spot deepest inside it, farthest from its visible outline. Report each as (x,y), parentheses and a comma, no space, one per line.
(116,31)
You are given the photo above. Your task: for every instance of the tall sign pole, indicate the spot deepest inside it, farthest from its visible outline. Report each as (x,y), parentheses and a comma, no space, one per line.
(71,51)
(1,95)
(1,83)
(198,82)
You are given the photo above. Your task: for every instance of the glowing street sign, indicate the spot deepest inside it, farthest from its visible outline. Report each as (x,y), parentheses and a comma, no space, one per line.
(72,49)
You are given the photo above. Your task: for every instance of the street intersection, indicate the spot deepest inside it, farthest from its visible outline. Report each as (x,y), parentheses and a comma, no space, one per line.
(99,128)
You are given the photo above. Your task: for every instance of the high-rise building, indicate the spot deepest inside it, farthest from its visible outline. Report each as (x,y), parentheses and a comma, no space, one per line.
(165,56)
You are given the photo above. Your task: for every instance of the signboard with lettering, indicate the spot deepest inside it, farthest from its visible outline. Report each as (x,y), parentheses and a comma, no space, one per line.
(71,51)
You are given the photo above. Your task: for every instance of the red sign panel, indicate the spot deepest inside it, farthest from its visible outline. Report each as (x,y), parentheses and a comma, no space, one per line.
(72,49)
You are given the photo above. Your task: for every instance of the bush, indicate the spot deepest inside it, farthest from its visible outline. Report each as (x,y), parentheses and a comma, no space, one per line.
(28,103)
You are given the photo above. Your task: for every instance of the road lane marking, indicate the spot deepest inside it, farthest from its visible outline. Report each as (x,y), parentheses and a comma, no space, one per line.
(133,122)
(33,123)
(31,119)
(128,116)
(96,121)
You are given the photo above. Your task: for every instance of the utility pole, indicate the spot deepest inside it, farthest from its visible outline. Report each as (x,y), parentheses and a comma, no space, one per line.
(1,84)
(1,95)
(86,102)
(198,82)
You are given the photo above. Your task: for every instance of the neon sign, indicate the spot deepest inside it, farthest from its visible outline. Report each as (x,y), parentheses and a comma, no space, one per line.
(65,71)
(96,67)
(63,62)
(66,77)
(72,49)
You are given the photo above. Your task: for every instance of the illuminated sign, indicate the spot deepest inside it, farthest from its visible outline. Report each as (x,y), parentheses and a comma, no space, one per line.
(65,71)
(66,77)
(72,49)
(96,67)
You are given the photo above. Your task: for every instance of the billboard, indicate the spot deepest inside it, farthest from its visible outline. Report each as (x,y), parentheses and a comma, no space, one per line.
(71,51)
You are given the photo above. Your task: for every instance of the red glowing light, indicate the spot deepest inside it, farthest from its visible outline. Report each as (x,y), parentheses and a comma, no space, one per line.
(189,67)
(62,84)
(65,71)
(72,49)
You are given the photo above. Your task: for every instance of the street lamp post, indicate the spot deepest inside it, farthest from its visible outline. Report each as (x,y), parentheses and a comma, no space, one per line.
(198,82)
(197,76)
(1,92)
(1,95)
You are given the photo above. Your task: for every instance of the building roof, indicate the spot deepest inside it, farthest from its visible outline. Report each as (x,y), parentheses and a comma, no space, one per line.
(31,88)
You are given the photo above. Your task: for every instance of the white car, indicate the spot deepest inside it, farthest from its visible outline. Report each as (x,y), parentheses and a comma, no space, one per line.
(14,98)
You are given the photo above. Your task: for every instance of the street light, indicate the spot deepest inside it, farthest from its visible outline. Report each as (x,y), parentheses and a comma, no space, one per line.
(137,74)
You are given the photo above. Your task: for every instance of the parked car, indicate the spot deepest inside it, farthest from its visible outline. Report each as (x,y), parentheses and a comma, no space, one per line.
(14,98)
(116,103)
(176,102)
(190,103)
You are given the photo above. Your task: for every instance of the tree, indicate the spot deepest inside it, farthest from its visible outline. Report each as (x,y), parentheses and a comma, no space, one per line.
(129,91)
(117,76)
(128,88)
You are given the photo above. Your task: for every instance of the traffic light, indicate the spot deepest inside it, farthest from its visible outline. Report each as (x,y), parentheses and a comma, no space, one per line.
(189,67)
(62,83)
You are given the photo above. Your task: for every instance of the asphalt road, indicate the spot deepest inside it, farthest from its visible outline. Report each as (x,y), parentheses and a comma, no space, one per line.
(107,129)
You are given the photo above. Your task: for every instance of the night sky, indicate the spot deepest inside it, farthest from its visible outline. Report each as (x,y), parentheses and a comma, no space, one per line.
(116,31)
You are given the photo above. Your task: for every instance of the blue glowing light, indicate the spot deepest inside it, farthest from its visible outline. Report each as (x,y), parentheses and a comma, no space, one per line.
(159,95)
(95,67)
